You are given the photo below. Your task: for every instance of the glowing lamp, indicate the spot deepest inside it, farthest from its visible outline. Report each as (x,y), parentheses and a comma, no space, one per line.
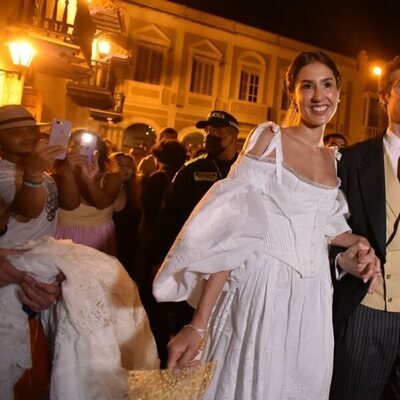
(104,47)
(21,53)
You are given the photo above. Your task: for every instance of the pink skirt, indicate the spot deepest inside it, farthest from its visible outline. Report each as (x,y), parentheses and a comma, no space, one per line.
(100,237)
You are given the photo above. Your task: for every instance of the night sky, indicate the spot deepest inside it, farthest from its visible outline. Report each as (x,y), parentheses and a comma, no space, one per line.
(344,26)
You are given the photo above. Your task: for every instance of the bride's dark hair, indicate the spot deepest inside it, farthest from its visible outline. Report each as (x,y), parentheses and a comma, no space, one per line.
(306,58)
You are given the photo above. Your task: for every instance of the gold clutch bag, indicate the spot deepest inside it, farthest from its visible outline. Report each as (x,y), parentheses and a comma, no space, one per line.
(190,383)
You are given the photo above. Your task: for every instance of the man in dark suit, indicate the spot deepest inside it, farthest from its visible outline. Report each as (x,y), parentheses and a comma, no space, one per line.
(367,325)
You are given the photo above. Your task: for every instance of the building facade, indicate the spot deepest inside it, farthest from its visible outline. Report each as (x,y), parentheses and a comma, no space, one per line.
(165,65)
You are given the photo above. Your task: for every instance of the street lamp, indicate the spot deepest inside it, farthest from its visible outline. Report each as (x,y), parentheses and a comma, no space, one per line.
(22,54)
(104,47)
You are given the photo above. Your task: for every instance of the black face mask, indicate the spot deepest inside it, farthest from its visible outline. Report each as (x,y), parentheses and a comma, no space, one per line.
(213,145)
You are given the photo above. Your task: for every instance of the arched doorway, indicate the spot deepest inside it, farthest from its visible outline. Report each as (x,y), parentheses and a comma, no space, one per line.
(193,142)
(142,135)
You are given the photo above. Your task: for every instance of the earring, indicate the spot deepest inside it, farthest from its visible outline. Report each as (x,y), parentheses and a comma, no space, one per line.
(338,101)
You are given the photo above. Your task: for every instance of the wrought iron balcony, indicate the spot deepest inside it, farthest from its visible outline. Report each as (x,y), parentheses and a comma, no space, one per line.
(98,90)
(112,115)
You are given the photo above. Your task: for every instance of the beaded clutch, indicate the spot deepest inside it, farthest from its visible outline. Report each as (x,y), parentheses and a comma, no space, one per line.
(190,383)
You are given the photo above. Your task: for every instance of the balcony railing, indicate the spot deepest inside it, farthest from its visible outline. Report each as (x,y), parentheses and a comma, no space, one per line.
(101,77)
(51,15)
(97,90)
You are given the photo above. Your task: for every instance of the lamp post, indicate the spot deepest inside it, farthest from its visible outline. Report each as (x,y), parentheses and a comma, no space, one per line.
(22,54)
(11,84)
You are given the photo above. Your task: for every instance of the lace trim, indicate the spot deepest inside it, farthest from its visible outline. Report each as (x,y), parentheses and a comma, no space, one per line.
(272,160)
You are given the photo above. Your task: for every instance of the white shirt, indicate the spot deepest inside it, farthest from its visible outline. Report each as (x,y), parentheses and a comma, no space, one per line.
(392,146)
(44,225)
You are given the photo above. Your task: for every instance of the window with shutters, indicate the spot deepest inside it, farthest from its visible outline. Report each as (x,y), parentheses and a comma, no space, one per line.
(249,85)
(251,71)
(149,65)
(202,77)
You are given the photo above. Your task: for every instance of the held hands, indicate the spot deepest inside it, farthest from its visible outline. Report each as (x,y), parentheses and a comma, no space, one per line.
(360,260)
(185,346)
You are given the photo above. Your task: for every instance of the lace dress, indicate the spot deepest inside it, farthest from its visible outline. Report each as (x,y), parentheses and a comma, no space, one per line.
(271,331)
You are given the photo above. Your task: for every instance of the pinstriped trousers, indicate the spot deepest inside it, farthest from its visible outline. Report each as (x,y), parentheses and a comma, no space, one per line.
(367,356)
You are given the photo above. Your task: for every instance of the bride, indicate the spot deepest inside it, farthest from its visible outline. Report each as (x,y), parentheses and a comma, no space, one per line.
(253,256)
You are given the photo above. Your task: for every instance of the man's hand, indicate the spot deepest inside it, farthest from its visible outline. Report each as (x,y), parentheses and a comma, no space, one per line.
(33,294)
(360,260)
(41,159)
(39,295)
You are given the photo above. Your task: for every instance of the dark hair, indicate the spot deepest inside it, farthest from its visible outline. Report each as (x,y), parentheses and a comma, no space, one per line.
(101,148)
(385,81)
(171,153)
(168,131)
(335,135)
(307,58)
(117,154)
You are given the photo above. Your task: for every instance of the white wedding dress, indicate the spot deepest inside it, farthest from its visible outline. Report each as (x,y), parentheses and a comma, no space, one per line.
(271,330)
(97,330)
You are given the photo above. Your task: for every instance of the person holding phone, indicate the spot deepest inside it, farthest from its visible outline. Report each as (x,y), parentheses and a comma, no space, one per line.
(28,208)
(91,223)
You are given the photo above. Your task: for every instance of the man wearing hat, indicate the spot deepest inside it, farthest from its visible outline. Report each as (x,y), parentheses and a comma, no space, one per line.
(192,181)
(25,189)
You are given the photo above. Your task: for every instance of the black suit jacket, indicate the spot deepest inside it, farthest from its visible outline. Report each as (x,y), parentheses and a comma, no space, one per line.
(362,172)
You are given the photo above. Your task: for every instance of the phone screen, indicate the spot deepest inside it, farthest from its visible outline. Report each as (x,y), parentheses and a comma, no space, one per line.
(59,135)
(88,143)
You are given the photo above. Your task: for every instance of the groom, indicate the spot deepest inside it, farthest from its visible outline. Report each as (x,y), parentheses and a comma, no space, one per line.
(367,325)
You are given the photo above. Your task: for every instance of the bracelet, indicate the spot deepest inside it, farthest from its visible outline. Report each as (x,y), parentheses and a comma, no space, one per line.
(201,332)
(32,185)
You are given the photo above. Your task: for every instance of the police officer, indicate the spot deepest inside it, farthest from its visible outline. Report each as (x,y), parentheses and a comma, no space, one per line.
(195,178)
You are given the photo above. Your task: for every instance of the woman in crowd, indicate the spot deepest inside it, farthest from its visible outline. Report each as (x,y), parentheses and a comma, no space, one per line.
(127,211)
(255,250)
(91,223)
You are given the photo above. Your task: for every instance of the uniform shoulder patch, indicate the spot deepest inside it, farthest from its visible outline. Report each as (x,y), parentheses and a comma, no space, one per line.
(205,176)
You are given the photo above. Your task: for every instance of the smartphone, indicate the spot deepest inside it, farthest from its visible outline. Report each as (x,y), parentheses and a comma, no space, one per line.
(88,143)
(59,136)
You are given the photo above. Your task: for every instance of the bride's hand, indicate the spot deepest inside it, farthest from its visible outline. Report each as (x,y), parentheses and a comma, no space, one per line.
(184,347)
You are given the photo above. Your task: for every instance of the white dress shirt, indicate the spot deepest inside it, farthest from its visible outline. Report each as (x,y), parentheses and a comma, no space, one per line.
(392,146)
